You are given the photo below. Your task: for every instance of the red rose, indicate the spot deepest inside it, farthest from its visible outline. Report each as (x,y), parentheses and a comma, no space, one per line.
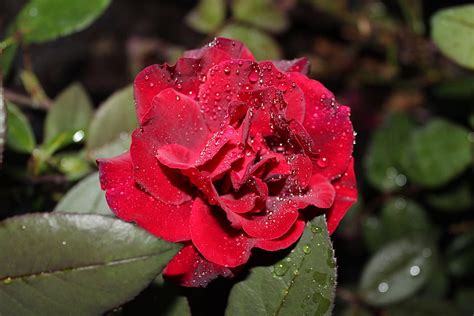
(231,154)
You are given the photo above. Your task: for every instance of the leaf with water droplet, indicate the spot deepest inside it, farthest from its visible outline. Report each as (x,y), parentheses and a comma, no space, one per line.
(303,282)
(71,111)
(103,263)
(382,162)
(389,276)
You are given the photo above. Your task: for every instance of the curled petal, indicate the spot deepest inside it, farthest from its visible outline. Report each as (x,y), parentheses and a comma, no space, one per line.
(127,201)
(284,241)
(188,268)
(215,239)
(346,195)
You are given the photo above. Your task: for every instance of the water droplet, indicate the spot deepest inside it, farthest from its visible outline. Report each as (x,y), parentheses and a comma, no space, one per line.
(253,77)
(280,268)
(322,162)
(227,70)
(78,136)
(307,249)
(316,230)
(383,287)
(415,270)
(64,243)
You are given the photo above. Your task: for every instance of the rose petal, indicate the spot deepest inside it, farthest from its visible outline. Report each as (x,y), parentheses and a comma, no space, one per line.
(188,268)
(127,201)
(346,195)
(228,79)
(278,218)
(239,205)
(215,239)
(329,126)
(185,76)
(233,48)
(321,193)
(284,241)
(300,65)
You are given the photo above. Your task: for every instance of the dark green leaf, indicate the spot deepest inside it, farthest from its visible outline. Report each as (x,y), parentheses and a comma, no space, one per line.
(85,197)
(454,199)
(397,271)
(382,162)
(67,264)
(260,43)
(263,14)
(452,30)
(373,232)
(460,254)
(461,88)
(302,283)
(71,111)
(404,218)
(437,153)
(171,302)
(45,20)
(7,56)
(207,16)
(115,116)
(20,136)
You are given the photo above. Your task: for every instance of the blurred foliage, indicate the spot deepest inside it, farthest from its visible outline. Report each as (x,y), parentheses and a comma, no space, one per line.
(404,67)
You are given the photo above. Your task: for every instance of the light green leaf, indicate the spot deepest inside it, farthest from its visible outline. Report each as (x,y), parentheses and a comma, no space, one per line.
(263,14)
(71,111)
(86,197)
(260,43)
(207,16)
(7,56)
(382,162)
(453,32)
(437,153)
(302,283)
(118,146)
(20,136)
(69,264)
(114,117)
(45,20)
(397,271)
(72,164)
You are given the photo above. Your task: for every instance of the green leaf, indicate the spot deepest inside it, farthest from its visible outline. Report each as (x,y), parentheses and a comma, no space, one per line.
(112,149)
(207,16)
(397,271)
(454,199)
(460,255)
(264,14)
(45,20)
(7,56)
(453,32)
(405,218)
(85,197)
(71,111)
(302,283)
(3,123)
(437,153)
(20,136)
(260,43)
(382,162)
(73,165)
(69,264)
(373,233)
(171,301)
(115,116)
